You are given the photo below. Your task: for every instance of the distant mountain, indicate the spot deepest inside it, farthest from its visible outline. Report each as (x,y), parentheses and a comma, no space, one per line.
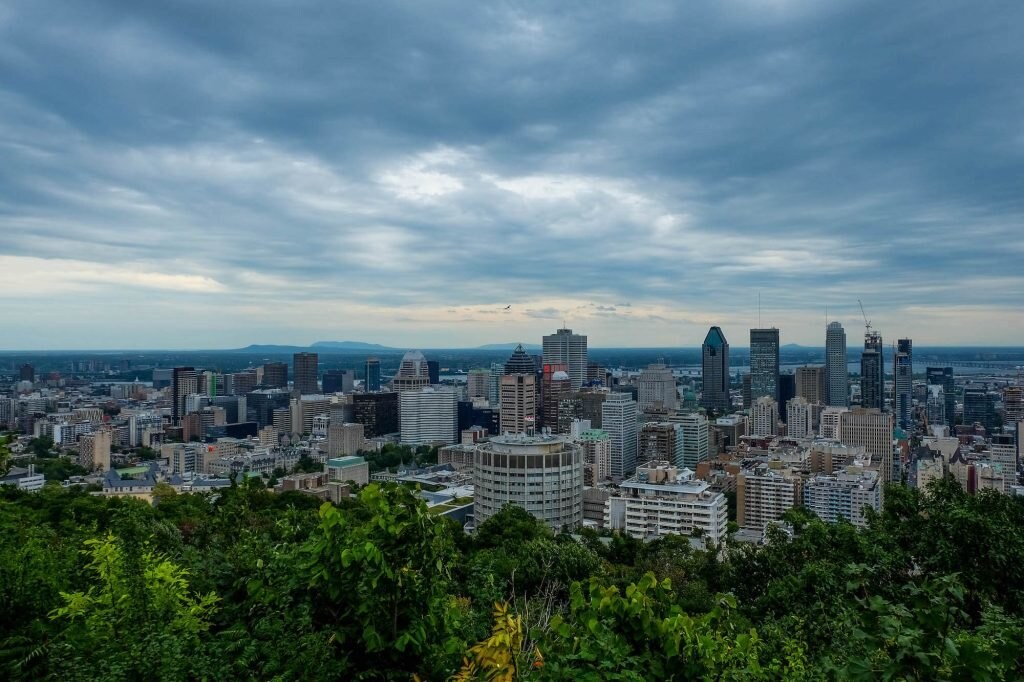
(509,346)
(350,345)
(321,346)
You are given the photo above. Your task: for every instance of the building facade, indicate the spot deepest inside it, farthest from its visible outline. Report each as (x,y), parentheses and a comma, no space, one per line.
(837,375)
(903,384)
(764,363)
(565,348)
(619,420)
(872,372)
(429,416)
(306,369)
(663,500)
(541,474)
(715,371)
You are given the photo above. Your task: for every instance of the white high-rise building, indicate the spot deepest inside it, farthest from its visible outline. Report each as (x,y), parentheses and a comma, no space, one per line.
(763,496)
(800,418)
(429,415)
(657,389)
(565,348)
(764,417)
(619,420)
(830,422)
(837,375)
(541,474)
(694,433)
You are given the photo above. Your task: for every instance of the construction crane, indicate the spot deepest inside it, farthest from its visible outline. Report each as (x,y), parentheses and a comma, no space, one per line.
(867,322)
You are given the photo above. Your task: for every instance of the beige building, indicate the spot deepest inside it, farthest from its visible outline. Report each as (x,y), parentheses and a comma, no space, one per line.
(657,389)
(829,422)
(597,456)
(94,450)
(763,496)
(518,403)
(872,429)
(799,419)
(810,384)
(764,417)
(344,439)
(460,456)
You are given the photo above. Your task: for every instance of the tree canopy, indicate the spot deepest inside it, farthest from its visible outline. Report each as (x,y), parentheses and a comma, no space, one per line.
(246,584)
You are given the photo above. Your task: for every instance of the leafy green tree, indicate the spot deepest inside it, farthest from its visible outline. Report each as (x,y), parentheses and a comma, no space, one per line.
(380,583)
(140,620)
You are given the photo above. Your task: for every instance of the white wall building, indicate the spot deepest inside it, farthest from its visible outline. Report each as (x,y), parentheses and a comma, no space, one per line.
(541,474)
(619,420)
(800,419)
(764,417)
(844,496)
(664,500)
(428,415)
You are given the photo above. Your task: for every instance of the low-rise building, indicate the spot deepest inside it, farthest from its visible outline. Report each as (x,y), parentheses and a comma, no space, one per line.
(351,468)
(663,500)
(843,496)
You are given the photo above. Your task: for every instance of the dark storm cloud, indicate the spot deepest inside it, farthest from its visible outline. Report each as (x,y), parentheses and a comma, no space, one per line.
(395,155)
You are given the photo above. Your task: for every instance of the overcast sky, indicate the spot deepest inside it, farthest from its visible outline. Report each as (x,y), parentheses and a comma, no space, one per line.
(213,174)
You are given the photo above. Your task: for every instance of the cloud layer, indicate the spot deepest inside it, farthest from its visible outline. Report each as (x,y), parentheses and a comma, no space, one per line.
(215,174)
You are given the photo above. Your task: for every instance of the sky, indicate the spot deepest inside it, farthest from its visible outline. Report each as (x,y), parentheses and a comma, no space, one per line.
(214,174)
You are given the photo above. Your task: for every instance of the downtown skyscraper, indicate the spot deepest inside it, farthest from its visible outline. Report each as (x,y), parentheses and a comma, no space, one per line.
(371,381)
(903,374)
(764,363)
(837,376)
(565,348)
(715,369)
(943,376)
(872,372)
(305,368)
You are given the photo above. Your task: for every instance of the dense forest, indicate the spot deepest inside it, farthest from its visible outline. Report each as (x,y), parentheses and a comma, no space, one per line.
(246,584)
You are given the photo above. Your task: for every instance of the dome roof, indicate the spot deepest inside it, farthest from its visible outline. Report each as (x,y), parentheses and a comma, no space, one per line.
(413,356)
(560,376)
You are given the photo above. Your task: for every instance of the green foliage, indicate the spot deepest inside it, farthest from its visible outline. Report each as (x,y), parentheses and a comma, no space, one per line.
(42,446)
(246,584)
(139,621)
(58,468)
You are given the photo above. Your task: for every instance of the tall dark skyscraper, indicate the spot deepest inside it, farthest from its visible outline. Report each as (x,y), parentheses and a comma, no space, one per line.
(275,375)
(377,412)
(872,372)
(943,376)
(27,373)
(183,384)
(306,367)
(715,368)
(338,381)
(372,376)
(764,363)
(837,376)
(979,408)
(787,391)
(903,392)
(434,371)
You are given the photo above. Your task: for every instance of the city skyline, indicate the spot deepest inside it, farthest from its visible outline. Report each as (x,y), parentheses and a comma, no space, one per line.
(403,173)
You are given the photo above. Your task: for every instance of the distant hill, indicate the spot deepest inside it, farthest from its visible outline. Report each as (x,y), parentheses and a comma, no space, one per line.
(319,346)
(509,346)
(350,345)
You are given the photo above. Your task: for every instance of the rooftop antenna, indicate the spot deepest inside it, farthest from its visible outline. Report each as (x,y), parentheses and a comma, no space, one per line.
(759,309)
